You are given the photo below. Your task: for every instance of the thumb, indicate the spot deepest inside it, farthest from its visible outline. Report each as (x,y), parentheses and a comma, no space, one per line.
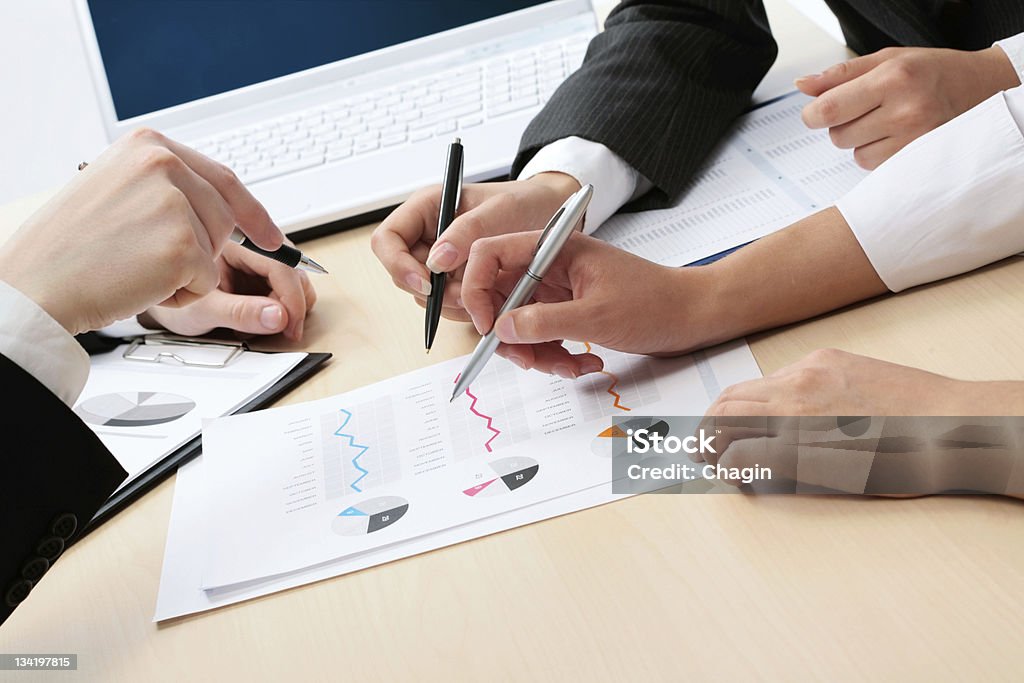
(539,322)
(242,313)
(492,217)
(816,84)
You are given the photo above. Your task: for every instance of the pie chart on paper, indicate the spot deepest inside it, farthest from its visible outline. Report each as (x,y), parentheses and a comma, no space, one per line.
(369,516)
(134,409)
(506,474)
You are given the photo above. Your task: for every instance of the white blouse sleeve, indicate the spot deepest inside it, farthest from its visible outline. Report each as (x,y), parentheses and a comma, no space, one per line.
(949,202)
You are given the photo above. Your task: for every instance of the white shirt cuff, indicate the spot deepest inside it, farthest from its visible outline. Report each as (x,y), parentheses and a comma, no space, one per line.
(615,182)
(1014,49)
(30,337)
(947,203)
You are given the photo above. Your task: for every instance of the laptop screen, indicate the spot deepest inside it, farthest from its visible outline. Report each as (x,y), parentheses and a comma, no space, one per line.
(160,53)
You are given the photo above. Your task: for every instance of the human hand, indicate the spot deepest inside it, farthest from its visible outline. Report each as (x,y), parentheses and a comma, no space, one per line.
(593,292)
(256,295)
(878,103)
(758,423)
(833,382)
(802,423)
(142,225)
(404,242)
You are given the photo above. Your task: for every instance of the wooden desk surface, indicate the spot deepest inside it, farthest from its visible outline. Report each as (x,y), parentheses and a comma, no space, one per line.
(667,586)
(664,587)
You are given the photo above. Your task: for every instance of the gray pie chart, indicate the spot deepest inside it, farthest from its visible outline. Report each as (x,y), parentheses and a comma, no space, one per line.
(134,409)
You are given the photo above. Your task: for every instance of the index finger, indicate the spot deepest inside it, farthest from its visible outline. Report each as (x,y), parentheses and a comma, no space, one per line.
(250,215)
(844,103)
(487,258)
(394,238)
(842,72)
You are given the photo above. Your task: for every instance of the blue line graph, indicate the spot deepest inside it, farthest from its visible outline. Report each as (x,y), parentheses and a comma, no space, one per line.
(352,442)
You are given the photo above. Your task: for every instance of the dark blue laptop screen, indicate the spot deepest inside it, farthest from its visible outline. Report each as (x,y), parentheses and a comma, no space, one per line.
(159,53)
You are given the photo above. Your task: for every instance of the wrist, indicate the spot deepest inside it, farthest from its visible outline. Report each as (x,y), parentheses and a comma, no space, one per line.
(557,187)
(995,70)
(560,184)
(982,398)
(694,315)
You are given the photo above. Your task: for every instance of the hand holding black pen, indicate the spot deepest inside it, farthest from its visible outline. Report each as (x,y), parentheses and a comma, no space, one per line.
(451,192)
(286,254)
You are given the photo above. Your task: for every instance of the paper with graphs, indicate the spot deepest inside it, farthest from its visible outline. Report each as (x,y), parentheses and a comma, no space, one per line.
(770,172)
(311,483)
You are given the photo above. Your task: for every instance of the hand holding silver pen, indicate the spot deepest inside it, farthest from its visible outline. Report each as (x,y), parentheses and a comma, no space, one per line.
(554,237)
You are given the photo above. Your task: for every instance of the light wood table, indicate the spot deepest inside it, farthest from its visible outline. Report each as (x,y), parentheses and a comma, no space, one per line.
(659,587)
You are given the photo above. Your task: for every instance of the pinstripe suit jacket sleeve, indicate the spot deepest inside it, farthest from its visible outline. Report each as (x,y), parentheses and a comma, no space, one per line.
(660,85)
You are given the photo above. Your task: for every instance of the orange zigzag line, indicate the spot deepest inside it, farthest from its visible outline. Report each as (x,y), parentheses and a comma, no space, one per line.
(611,387)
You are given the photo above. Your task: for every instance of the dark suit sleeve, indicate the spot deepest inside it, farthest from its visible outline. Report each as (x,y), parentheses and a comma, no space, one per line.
(660,85)
(56,475)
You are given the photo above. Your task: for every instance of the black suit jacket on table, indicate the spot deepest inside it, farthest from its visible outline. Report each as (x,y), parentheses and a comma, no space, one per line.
(666,78)
(56,475)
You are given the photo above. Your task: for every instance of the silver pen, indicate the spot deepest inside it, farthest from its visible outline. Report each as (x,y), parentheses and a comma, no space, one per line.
(554,237)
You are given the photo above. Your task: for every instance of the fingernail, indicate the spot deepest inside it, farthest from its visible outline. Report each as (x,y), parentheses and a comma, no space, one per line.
(808,77)
(476,324)
(458,302)
(564,372)
(270,317)
(505,328)
(589,366)
(518,362)
(442,257)
(299,329)
(418,283)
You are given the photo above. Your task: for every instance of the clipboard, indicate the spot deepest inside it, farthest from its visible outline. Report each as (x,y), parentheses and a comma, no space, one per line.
(147,349)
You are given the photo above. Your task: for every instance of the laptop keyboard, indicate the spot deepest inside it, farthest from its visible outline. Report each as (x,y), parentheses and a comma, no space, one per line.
(403,114)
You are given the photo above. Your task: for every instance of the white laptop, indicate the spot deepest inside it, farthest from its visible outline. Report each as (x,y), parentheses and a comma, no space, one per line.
(332,109)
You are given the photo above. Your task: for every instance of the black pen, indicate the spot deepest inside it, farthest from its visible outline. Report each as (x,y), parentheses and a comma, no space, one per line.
(286,254)
(451,191)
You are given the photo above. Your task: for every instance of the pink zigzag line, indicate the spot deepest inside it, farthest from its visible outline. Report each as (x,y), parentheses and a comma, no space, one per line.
(490,420)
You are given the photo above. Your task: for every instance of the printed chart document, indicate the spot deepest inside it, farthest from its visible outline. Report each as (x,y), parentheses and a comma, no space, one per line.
(396,460)
(311,512)
(143,411)
(181,591)
(768,173)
